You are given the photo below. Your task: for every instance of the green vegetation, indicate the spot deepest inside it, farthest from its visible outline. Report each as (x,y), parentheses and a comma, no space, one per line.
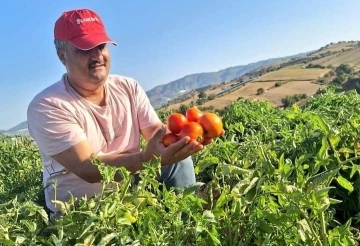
(290,100)
(310,65)
(278,84)
(277,177)
(343,73)
(260,91)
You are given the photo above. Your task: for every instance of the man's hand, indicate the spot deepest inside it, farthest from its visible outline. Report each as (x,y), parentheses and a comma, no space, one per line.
(207,141)
(173,153)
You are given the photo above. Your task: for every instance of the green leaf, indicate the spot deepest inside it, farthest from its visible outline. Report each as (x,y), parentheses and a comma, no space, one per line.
(264,226)
(19,240)
(354,168)
(213,237)
(324,146)
(222,199)
(90,239)
(318,121)
(209,216)
(57,241)
(346,150)
(345,183)
(334,140)
(323,191)
(251,185)
(7,242)
(88,226)
(105,240)
(320,179)
(44,216)
(190,189)
(227,169)
(334,201)
(303,229)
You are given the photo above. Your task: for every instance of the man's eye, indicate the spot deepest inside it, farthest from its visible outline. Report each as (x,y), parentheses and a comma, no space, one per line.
(101,46)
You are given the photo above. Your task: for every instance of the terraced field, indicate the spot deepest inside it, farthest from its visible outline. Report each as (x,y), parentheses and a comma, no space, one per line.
(293,74)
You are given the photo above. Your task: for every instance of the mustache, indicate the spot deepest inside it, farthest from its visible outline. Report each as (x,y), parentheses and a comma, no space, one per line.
(96,63)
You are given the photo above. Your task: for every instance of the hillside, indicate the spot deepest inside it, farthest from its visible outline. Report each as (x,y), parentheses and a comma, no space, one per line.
(298,77)
(160,94)
(18,127)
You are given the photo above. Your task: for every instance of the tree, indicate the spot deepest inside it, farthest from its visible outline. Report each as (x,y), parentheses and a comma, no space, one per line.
(211,97)
(260,91)
(202,95)
(344,69)
(183,109)
(331,73)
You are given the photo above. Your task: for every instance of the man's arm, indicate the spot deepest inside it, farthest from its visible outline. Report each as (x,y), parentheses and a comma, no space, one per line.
(149,132)
(77,160)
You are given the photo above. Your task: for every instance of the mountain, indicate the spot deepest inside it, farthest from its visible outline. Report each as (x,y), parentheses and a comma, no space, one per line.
(21,126)
(160,94)
(20,129)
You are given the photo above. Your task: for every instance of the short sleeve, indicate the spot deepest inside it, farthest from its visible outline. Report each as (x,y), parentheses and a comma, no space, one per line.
(147,115)
(53,128)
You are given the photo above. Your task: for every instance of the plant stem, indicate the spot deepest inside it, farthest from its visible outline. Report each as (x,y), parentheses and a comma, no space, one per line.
(350,160)
(125,189)
(308,222)
(323,229)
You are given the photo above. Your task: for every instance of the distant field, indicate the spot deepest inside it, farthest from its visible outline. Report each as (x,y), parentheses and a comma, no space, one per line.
(275,95)
(337,47)
(247,91)
(351,57)
(208,92)
(294,74)
(272,94)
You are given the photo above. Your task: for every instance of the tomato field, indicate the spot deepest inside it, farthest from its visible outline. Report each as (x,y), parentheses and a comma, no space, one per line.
(276,177)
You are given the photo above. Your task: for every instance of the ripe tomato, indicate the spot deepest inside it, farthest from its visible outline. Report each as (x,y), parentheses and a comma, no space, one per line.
(212,125)
(193,130)
(175,122)
(193,114)
(169,139)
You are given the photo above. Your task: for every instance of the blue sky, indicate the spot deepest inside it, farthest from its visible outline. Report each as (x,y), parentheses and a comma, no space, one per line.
(161,41)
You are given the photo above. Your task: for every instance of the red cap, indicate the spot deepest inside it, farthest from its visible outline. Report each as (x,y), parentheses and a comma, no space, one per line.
(83,28)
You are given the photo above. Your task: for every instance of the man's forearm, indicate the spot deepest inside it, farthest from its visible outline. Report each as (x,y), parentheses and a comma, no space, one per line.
(131,161)
(77,160)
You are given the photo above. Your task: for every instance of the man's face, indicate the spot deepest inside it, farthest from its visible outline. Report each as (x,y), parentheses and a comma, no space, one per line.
(87,68)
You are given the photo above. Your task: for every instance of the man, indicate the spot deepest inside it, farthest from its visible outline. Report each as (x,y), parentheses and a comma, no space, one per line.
(91,111)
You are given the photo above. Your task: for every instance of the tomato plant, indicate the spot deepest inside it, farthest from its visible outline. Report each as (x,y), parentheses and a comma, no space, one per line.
(277,177)
(175,122)
(170,138)
(193,114)
(212,125)
(192,130)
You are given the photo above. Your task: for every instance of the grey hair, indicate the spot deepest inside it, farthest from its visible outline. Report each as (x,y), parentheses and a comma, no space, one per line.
(59,44)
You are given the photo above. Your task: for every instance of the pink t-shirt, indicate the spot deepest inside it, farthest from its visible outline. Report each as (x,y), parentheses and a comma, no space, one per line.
(58,118)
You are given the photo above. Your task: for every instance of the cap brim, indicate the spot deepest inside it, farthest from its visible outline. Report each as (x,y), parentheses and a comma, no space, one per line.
(89,41)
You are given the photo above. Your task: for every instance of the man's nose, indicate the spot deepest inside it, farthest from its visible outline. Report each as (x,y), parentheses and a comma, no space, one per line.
(96,52)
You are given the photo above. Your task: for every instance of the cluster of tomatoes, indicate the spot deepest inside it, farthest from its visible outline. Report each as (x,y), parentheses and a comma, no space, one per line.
(195,124)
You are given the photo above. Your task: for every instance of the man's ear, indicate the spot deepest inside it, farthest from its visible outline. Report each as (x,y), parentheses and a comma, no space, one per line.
(62,56)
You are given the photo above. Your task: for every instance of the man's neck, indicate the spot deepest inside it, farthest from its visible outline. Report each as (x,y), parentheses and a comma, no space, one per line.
(96,96)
